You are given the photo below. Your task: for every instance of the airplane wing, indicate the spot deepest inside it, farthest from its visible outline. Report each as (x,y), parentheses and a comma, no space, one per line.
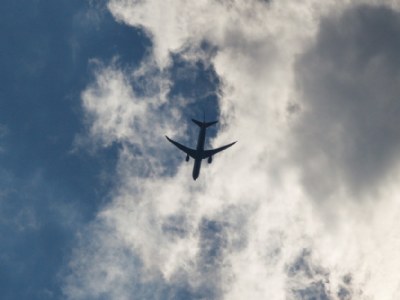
(208,153)
(188,151)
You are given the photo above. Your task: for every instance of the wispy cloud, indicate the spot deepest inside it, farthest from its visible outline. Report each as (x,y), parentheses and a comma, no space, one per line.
(311,97)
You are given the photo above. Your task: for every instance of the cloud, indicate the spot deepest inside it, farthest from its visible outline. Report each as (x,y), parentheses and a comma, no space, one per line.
(278,215)
(349,81)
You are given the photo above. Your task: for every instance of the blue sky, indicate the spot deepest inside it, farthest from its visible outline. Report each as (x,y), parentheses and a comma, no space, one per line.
(96,204)
(49,190)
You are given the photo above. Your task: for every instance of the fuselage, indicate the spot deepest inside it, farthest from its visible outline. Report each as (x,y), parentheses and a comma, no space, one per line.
(199,153)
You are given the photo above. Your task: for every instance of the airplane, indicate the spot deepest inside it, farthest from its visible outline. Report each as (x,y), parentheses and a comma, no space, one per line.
(199,153)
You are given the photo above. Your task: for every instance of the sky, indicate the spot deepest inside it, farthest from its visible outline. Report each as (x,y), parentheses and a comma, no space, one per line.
(96,204)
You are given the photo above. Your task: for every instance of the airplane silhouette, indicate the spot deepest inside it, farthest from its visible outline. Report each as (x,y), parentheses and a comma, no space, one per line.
(199,153)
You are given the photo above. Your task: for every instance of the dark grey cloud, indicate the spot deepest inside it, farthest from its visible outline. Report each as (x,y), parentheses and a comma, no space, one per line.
(217,237)
(306,280)
(348,133)
(316,290)
(345,289)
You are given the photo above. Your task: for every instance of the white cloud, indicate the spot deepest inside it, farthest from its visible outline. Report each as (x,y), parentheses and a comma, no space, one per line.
(254,214)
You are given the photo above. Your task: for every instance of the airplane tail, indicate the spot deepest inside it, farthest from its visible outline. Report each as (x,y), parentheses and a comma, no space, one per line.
(204,124)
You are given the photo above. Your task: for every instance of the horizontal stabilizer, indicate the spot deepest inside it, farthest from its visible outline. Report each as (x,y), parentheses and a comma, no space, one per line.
(204,124)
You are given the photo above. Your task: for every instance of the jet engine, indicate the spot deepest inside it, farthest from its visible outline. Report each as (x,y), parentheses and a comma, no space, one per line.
(187,157)
(210,159)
